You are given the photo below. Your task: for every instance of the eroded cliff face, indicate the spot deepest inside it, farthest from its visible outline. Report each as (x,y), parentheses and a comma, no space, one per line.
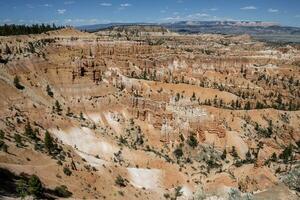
(139,121)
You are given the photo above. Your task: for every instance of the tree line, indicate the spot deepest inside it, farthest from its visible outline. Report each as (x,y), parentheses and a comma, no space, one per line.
(14,29)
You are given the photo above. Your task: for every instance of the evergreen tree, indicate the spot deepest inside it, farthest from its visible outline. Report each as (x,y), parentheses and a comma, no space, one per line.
(81,116)
(286,154)
(248,156)
(69,113)
(178,192)
(22,188)
(48,142)
(7,49)
(35,187)
(247,106)
(58,108)
(13,29)
(29,131)
(5,148)
(2,135)
(234,152)
(224,155)
(232,104)
(273,157)
(49,91)
(237,104)
(18,140)
(177,97)
(193,98)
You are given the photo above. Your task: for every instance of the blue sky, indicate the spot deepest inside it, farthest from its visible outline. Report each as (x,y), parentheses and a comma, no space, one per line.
(81,12)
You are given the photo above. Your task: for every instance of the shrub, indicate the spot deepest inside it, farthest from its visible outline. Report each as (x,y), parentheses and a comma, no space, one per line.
(18,84)
(178,192)
(120,181)
(62,191)
(178,152)
(192,141)
(67,171)
(199,194)
(234,194)
(292,179)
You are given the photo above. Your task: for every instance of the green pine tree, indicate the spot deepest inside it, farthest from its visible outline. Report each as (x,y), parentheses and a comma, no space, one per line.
(35,186)
(48,142)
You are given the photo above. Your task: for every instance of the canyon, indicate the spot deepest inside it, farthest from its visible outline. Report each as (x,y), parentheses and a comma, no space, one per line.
(151,114)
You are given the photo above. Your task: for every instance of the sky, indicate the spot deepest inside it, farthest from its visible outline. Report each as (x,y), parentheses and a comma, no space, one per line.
(87,12)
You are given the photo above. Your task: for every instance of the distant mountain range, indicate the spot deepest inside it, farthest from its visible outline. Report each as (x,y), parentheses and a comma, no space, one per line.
(99,27)
(262,30)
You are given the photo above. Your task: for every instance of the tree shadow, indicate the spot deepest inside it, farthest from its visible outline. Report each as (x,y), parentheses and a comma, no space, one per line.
(8,186)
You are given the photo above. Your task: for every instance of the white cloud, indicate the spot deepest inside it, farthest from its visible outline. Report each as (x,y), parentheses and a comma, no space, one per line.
(6,20)
(297,16)
(68,21)
(191,18)
(125,4)
(249,8)
(78,21)
(272,10)
(198,15)
(47,5)
(213,9)
(174,18)
(195,17)
(61,11)
(105,4)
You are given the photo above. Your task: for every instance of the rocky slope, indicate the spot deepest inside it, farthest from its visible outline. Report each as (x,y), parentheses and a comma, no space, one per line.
(150,116)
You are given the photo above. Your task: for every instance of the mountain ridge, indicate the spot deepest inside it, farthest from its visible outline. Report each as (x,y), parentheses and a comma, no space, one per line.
(265,31)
